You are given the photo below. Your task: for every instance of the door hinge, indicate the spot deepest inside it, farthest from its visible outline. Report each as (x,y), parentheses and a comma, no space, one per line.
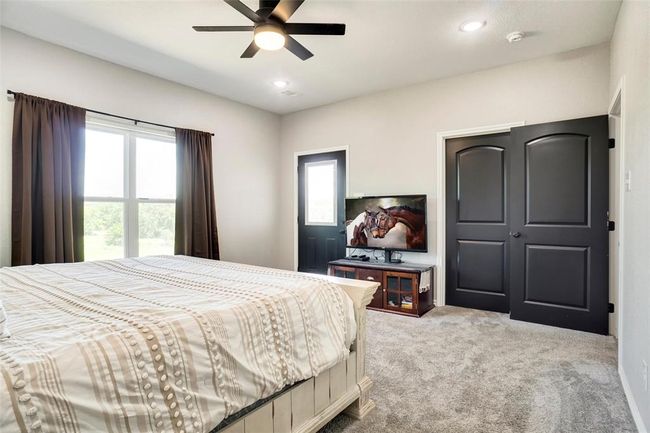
(610,307)
(612,143)
(611,226)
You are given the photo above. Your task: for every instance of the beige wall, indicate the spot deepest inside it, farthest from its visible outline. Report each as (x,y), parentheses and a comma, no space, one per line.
(392,135)
(391,138)
(245,148)
(630,60)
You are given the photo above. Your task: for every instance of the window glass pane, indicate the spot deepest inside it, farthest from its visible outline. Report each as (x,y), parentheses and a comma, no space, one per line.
(104,175)
(103,230)
(156,169)
(156,228)
(320,194)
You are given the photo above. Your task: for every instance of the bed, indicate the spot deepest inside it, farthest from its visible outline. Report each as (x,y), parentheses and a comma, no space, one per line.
(180,344)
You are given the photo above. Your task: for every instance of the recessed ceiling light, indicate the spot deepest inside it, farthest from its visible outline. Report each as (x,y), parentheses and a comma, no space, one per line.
(472,26)
(280,84)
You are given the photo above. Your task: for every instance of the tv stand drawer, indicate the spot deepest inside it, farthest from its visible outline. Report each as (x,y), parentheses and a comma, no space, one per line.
(343,272)
(373,275)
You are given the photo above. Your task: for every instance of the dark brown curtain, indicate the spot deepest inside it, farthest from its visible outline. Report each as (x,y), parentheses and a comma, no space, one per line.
(48,181)
(196,220)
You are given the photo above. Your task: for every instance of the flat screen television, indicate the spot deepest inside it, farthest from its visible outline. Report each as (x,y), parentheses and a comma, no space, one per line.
(390,223)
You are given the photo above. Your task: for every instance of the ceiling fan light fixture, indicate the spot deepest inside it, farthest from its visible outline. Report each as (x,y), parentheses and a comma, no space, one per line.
(269,37)
(271,31)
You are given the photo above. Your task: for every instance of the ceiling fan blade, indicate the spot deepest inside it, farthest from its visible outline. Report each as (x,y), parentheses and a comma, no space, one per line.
(223,28)
(250,51)
(314,29)
(296,48)
(244,10)
(285,9)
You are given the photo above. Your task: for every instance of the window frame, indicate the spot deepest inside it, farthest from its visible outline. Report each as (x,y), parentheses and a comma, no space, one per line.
(130,200)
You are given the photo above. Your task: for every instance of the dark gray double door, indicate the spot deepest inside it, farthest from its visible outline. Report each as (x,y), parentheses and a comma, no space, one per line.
(526,223)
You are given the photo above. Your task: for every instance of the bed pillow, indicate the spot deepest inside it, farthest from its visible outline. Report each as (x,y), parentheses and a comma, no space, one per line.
(4,329)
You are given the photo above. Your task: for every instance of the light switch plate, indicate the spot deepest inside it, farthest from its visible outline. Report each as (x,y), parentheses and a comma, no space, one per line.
(628,181)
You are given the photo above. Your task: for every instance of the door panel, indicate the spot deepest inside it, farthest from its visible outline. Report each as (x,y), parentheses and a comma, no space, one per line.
(477,222)
(558,206)
(563,197)
(321,210)
(481,266)
(557,275)
(480,184)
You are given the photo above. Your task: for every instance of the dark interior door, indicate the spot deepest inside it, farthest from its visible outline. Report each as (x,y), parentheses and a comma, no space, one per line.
(477,222)
(321,210)
(559,202)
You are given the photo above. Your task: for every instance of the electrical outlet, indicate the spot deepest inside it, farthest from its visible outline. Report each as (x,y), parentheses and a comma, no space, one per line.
(644,373)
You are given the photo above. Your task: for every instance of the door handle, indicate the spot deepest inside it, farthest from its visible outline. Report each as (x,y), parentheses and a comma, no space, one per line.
(515,234)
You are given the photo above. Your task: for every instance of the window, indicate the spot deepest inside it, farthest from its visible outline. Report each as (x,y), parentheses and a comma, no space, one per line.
(320,193)
(130,191)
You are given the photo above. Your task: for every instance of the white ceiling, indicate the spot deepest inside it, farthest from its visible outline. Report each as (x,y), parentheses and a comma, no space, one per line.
(387,44)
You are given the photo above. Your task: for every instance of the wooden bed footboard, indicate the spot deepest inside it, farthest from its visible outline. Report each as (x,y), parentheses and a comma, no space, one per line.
(308,406)
(361,293)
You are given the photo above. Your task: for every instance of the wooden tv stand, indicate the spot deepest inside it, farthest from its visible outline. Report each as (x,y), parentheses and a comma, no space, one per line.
(399,289)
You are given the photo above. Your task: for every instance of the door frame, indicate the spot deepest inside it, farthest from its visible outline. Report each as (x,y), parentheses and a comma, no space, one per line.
(296,155)
(616,110)
(441,185)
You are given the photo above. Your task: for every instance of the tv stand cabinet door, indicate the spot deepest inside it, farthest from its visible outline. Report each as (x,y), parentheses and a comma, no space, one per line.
(400,292)
(374,275)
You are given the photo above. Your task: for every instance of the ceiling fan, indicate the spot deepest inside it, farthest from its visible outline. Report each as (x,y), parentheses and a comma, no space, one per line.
(271,31)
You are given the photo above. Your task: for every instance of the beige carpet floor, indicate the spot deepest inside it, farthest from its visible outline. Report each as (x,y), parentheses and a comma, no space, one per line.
(460,370)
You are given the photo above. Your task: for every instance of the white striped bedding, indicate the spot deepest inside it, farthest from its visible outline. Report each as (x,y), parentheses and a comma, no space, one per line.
(159,344)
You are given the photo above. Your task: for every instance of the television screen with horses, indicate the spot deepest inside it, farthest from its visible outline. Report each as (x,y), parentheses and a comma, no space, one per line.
(389,222)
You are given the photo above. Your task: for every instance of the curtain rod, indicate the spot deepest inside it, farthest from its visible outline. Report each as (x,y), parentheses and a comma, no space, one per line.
(11,92)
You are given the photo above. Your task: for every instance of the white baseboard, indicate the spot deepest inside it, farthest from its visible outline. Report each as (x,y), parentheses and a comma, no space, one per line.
(631,402)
